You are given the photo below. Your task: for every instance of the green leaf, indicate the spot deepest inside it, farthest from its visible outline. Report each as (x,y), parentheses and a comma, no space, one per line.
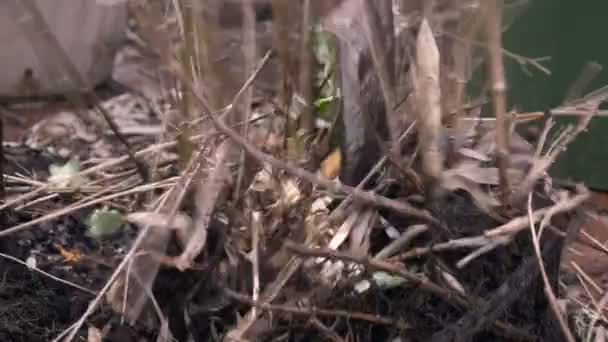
(382,279)
(387,281)
(324,107)
(104,223)
(66,176)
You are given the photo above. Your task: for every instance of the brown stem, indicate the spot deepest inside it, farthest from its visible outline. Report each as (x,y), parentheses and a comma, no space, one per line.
(307,121)
(499,88)
(2,188)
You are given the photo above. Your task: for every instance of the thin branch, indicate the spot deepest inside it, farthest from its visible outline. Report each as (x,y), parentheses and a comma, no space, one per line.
(405,238)
(522,222)
(36,269)
(2,159)
(547,287)
(467,242)
(254,256)
(521,60)
(314,311)
(500,235)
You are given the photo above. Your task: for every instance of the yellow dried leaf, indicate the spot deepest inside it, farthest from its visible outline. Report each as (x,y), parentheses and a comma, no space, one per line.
(330,167)
(70,256)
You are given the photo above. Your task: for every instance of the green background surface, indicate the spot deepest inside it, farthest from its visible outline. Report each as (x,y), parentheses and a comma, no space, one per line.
(572,33)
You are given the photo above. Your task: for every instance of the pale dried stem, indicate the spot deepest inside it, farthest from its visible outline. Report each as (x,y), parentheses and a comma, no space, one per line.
(250,53)
(547,286)
(522,222)
(306,120)
(398,244)
(502,234)
(256,227)
(597,315)
(499,89)
(428,93)
(46,274)
(463,53)
(585,278)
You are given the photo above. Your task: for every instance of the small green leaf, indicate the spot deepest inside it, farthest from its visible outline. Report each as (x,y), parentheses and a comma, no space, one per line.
(104,223)
(382,279)
(324,107)
(387,281)
(66,176)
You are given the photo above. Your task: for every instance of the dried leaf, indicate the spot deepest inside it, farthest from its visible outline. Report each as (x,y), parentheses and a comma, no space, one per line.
(320,205)
(473,154)
(114,295)
(483,200)
(291,193)
(389,229)
(263,180)
(206,196)
(94,334)
(483,175)
(70,256)
(330,167)
(518,145)
(344,230)
(359,236)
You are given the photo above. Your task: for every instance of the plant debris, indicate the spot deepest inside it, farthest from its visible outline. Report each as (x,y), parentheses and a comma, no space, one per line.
(401,213)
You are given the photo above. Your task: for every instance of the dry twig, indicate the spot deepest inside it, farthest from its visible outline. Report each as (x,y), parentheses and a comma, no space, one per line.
(314,311)
(36,269)
(499,89)
(547,285)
